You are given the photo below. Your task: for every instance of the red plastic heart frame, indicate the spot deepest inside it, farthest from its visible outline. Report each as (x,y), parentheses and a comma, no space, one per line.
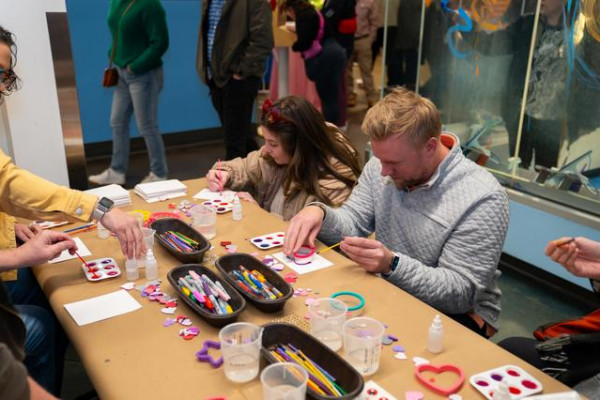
(438,370)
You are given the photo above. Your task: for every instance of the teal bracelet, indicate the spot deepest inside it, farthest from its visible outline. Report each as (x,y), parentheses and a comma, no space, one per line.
(351,294)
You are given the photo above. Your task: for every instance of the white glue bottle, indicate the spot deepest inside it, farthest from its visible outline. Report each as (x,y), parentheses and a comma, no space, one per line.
(436,335)
(502,393)
(236,212)
(151,266)
(131,270)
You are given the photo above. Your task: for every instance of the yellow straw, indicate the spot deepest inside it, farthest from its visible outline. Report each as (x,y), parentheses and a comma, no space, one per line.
(328,248)
(310,383)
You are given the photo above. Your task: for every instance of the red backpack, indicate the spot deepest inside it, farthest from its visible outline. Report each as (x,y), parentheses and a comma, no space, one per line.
(588,324)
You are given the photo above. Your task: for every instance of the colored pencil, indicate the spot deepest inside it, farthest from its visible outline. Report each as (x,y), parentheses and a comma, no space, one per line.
(564,242)
(79,228)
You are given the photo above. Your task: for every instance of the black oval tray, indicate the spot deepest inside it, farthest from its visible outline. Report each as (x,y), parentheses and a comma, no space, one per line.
(177,225)
(237,302)
(346,376)
(230,262)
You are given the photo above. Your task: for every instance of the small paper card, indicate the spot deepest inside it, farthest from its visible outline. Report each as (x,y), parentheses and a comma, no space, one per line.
(102,307)
(317,263)
(207,194)
(65,255)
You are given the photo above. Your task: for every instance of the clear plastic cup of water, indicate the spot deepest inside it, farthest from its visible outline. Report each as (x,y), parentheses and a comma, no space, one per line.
(362,343)
(327,316)
(240,346)
(204,220)
(284,381)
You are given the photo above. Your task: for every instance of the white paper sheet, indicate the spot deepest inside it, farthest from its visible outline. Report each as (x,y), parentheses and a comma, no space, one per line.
(64,256)
(206,194)
(162,197)
(317,263)
(102,307)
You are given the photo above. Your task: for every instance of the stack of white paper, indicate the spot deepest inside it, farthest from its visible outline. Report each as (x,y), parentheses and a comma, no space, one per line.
(161,190)
(114,192)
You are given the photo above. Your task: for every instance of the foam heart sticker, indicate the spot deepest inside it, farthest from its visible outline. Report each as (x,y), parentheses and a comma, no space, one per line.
(413,396)
(430,383)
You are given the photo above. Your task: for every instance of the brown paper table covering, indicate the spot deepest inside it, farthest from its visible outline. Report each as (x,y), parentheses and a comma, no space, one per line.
(133,356)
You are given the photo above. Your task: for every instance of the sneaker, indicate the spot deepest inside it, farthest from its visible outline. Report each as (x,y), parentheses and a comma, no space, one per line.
(107,177)
(153,178)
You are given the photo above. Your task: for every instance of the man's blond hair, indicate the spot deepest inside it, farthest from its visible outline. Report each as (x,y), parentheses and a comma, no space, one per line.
(403,113)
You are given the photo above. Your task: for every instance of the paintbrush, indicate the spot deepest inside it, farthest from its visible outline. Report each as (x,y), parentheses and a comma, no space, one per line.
(563,242)
(328,248)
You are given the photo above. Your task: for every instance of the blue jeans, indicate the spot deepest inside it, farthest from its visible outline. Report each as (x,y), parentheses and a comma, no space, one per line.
(39,346)
(45,340)
(138,94)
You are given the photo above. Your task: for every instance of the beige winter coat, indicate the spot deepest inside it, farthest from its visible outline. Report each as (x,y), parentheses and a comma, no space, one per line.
(263,179)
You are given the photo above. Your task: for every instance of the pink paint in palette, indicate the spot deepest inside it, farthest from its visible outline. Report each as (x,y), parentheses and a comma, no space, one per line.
(100,269)
(269,241)
(520,383)
(222,206)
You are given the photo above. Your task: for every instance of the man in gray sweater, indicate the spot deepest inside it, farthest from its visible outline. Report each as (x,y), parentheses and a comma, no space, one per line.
(439,219)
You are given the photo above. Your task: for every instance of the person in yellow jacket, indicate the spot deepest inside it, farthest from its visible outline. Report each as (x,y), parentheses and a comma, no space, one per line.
(23,194)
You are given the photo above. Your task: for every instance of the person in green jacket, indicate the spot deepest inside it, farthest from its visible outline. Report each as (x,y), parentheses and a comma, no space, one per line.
(140,38)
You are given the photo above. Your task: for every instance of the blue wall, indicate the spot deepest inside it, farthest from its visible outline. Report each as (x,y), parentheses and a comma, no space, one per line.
(184,101)
(529,232)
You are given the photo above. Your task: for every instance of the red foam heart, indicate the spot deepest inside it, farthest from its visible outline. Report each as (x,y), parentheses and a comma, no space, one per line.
(446,391)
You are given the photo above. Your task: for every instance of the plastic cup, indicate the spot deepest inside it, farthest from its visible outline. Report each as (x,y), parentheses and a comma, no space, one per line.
(284,381)
(327,316)
(103,233)
(240,346)
(362,343)
(204,220)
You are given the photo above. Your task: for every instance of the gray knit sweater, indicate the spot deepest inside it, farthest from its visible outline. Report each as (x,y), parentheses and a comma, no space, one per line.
(448,233)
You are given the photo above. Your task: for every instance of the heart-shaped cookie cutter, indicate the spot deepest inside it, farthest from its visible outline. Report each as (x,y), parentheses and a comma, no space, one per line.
(438,370)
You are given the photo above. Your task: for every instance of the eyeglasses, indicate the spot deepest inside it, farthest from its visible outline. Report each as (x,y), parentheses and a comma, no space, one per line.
(271,113)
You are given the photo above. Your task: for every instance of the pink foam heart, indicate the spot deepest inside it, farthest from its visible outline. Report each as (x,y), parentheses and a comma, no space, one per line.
(413,395)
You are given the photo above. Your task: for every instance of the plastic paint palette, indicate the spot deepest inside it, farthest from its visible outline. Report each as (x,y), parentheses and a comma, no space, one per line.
(268,241)
(520,383)
(102,268)
(222,206)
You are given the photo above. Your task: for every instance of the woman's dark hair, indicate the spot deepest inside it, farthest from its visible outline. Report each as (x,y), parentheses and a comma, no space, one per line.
(297,5)
(11,80)
(312,144)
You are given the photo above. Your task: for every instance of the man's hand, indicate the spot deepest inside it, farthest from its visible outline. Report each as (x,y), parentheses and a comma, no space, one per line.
(217,180)
(44,246)
(23,232)
(303,228)
(128,232)
(581,257)
(370,254)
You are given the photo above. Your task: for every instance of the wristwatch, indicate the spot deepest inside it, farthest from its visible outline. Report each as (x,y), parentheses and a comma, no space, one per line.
(393,266)
(102,207)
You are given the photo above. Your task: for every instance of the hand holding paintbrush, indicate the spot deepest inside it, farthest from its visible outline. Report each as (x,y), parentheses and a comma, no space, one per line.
(580,256)
(217,179)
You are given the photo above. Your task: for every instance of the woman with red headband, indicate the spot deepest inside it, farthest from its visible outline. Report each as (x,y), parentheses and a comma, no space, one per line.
(303,160)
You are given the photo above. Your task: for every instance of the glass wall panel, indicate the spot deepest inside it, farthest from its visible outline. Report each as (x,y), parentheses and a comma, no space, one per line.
(517,81)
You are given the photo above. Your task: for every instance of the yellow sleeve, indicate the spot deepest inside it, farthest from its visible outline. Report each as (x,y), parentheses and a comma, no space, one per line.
(23,194)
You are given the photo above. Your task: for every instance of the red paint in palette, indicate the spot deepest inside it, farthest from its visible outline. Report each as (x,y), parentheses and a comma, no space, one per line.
(512,372)
(514,390)
(528,384)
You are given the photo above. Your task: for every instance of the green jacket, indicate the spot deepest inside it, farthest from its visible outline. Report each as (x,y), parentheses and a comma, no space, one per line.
(243,41)
(142,36)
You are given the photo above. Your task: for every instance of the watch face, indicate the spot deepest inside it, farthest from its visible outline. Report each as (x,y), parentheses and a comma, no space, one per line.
(106,203)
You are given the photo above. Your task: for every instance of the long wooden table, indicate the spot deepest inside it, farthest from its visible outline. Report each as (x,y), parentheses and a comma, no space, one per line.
(133,356)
